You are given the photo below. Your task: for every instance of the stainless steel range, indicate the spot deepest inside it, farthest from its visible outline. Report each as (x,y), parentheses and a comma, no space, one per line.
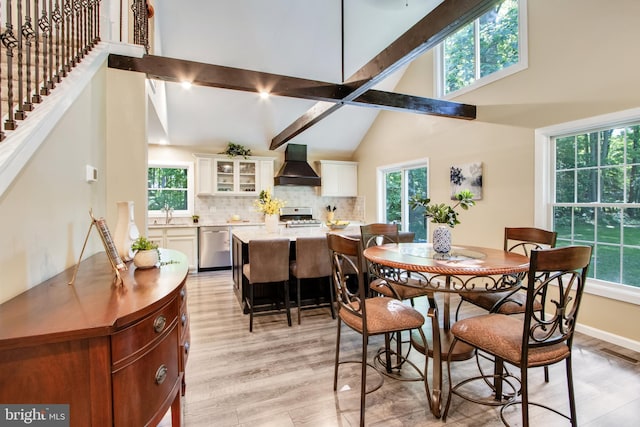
(298,217)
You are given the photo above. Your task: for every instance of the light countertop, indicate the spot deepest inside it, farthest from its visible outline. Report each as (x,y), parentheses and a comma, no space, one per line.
(246,234)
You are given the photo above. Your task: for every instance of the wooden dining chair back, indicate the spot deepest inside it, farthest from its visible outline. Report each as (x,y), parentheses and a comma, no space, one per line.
(406,236)
(366,316)
(533,340)
(268,263)
(312,262)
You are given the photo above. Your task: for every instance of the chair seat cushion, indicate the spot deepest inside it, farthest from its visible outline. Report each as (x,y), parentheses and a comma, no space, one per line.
(383,287)
(501,335)
(515,304)
(384,315)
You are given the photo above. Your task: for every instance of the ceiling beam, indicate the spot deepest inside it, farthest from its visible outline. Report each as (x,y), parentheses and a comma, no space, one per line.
(331,96)
(442,21)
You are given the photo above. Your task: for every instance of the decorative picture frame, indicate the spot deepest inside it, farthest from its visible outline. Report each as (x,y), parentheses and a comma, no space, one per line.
(110,248)
(467,176)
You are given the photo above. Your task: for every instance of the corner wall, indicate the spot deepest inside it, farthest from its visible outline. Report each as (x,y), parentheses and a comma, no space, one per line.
(580,65)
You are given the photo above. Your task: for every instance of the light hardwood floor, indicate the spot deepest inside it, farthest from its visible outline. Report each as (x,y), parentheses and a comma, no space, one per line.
(281,376)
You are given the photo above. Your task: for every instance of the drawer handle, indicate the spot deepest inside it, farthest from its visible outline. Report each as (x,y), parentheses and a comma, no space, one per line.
(183,292)
(161,374)
(159,323)
(186,347)
(184,319)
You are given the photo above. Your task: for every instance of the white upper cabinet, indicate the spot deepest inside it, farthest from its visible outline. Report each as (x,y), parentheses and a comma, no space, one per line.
(228,176)
(339,179)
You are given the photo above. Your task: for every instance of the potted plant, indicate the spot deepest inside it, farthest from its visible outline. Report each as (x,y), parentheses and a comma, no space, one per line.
(234,150)
(444,215)
(147,254)
(195,218)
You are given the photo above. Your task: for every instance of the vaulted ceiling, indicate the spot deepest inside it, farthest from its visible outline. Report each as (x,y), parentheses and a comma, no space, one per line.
(317,40)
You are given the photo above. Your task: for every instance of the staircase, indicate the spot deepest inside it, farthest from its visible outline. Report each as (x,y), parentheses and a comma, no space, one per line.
(41,41)
(49,51)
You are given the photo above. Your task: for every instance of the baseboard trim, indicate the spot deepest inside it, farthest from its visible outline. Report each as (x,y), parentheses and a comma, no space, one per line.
(609,337)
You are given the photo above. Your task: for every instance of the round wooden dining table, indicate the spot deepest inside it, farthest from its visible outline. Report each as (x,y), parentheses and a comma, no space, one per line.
(463,269)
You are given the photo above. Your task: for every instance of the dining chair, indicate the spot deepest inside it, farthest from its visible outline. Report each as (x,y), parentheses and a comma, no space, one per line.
(268,263)
(520,240)
(367,316)
(530,341)
(380,234)
(406,236)
(312,262)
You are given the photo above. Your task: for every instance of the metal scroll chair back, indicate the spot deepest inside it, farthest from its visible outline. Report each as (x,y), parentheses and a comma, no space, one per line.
(523,240)
(347,275)
(535,340)
(520,240)
(389,316)
(380,234)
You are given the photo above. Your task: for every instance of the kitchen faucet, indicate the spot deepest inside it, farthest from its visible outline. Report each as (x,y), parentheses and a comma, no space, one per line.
(168,213)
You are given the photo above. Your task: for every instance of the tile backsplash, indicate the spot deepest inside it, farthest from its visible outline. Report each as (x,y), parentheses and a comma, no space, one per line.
(216,209)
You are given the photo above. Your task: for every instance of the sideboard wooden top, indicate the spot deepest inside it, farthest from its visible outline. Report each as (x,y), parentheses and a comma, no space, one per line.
(94,305)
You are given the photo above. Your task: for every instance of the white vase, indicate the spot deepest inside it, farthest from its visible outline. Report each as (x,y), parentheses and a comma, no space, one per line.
(271,223)
(126,230)
(441,239)
(146,259)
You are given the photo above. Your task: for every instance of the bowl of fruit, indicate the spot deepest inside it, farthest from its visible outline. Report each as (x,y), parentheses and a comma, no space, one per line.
(337,224)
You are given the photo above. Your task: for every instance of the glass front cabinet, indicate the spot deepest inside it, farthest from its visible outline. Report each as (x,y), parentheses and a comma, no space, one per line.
(224,176)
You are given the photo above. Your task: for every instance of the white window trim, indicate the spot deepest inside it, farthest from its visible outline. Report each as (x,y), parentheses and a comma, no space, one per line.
(522,64)
(542,178)
(190,188)
(380,183)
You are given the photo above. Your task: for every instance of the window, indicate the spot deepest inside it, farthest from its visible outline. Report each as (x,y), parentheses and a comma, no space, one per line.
(487,49)
(593,195)
(397,184)
(170,185)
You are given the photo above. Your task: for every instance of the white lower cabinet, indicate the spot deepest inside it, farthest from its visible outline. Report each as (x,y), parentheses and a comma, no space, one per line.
(183,239)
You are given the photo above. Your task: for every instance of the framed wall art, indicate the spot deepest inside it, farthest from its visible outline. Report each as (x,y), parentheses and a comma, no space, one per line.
(466,177)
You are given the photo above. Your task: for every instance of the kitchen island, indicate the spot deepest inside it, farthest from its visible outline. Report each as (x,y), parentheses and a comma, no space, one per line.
(240,252)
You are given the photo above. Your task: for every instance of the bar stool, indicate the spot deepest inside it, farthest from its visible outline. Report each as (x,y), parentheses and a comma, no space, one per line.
(268,263)
(313,261)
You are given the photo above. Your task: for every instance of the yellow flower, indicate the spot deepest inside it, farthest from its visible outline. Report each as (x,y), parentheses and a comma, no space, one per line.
(267,204)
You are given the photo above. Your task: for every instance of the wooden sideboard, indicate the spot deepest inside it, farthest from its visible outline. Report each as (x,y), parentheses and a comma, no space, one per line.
(115,353)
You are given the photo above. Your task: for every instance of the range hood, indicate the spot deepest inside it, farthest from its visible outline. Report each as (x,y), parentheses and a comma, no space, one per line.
(296,170)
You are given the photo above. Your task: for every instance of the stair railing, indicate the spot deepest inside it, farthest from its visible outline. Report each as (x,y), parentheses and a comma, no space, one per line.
(40,43)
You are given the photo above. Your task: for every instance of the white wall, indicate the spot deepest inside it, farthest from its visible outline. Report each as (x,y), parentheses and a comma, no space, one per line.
(582,63)
(45,211)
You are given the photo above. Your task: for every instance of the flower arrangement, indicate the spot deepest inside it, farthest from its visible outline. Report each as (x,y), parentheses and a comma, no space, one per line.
(442,213)
(267,204)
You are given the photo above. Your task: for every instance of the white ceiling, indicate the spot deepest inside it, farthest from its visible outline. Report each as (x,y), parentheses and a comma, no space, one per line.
(300,38)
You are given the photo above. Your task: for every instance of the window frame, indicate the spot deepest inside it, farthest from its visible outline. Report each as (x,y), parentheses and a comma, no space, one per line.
(190,188)
(522,64)
(381,171)
(545,185)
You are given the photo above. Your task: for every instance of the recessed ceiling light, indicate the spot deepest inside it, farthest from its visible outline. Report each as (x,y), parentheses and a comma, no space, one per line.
(264,95)
(186,85)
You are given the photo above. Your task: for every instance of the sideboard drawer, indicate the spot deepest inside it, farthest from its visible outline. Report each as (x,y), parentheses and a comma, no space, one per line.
(136,338)
(141,387)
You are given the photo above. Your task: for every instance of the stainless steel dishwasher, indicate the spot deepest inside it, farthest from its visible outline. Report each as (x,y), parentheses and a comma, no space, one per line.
(214,248)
